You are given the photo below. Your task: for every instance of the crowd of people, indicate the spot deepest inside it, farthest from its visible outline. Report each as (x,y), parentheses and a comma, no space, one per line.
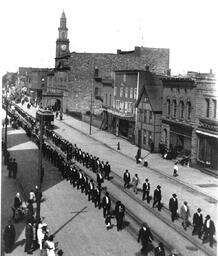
(64,154)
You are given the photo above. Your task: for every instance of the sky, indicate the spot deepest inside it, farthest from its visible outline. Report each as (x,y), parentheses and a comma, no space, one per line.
(188,28)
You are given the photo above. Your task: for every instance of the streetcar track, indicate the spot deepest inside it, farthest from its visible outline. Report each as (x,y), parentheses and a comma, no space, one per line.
(132,215)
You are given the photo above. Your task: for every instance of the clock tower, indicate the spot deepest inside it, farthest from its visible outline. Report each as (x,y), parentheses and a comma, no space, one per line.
(62,43)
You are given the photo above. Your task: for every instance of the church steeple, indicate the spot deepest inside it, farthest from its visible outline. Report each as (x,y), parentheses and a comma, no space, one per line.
(62,43)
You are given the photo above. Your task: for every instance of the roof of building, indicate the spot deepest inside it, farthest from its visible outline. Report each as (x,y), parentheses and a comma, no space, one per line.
(63,16)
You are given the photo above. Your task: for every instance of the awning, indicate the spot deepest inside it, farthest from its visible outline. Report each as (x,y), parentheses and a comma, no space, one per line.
(207,133)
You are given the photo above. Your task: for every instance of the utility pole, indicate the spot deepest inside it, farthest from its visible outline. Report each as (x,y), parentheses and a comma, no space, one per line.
(90,127)
(6,122)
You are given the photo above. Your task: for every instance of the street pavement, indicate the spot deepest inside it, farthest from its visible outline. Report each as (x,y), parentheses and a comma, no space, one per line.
(78,226)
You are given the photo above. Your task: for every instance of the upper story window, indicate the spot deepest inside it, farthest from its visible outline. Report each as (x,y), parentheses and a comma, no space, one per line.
(214,108)
(115,91)
(188,110)
(135,93)
(110,100)
(130,107)
(126,92)
(207,107)
(106,98)
(174,108)
(168,107)
(145,116)
(96,91)
(126,106)
(124,78)
(121,91)
(118,104)
(150,117)
(181,108)
(131,93)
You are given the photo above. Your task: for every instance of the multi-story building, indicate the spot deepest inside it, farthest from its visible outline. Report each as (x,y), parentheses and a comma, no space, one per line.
(85,71)
(205,139)
(149,112)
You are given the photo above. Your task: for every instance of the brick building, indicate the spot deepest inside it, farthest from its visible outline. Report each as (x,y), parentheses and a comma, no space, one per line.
(85,71)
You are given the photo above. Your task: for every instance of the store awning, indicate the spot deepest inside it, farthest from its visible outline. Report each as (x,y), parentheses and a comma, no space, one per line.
(215,135)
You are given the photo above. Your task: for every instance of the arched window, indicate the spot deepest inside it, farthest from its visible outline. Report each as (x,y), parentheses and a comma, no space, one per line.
(181,108)
(174,108)
(188,110)
(168,107)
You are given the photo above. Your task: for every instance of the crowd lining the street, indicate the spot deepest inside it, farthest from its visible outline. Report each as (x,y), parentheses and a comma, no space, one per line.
(64,154)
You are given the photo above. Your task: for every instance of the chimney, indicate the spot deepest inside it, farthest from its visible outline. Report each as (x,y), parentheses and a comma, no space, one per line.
(146,67)
(169,72)
(211,71)
(137,51)
(118,51)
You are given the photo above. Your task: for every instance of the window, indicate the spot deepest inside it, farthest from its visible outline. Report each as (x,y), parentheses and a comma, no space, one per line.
(115,91)
(131,93)
(121,91)
(124,78)
(144,137)
(168,107)
(149,137)
(114,105)
(121,106)
(174,108)
(126,106)
(150,117)
(106,98)
(135,93)
(96,91)
(145,116)
(214,108)
(129,106)
(110,100)
(181,106)
(207,107)
(126,92)
(188,110)
(118,104)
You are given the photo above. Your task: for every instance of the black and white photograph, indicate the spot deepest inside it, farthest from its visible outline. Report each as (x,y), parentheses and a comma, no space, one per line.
(109,137)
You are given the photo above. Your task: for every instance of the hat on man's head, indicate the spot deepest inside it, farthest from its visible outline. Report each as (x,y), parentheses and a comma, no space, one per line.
(146,179)
(199,209)
(174,195)
(208,216)
(158,186)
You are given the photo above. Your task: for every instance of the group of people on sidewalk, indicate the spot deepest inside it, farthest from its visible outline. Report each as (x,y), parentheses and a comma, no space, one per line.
(76,177)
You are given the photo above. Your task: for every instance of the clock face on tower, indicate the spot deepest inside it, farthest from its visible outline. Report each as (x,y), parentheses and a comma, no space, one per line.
(63,47)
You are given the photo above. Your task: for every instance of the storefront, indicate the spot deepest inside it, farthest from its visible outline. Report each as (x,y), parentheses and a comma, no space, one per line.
(207,153)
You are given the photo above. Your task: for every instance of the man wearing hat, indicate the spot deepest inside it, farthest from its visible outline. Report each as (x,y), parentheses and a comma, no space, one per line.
(145,236)
(185,214)
(173,207)
(197,223)
(146,190)
(157,197)
(208,230)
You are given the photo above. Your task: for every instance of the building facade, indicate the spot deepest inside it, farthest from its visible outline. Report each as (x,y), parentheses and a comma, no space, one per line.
(85,71)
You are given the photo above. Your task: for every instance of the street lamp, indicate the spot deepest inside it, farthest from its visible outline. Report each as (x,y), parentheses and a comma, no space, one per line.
(42,116)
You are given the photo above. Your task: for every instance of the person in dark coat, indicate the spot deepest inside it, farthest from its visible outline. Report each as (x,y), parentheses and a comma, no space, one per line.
(106,204)
(14,168)
(29,238)
(197,223)
(157,198)
(100,179)
(119,213)
(208,230)
(97,197)
(127,179)
(173,207)
(146,190)
(9,237)
(145,236)
(107,170)
(159,251)
(91,190)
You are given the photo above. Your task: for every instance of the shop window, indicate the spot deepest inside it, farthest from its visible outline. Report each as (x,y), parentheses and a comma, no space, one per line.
(181,105)
(214,108)
(207,107)
(168,107)
(188,110)
(174,108)
(144,137)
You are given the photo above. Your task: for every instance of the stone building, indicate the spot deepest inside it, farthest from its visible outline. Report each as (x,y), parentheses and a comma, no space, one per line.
(85,71)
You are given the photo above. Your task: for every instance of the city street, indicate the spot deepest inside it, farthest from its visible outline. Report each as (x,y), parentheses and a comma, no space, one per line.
(67,212)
